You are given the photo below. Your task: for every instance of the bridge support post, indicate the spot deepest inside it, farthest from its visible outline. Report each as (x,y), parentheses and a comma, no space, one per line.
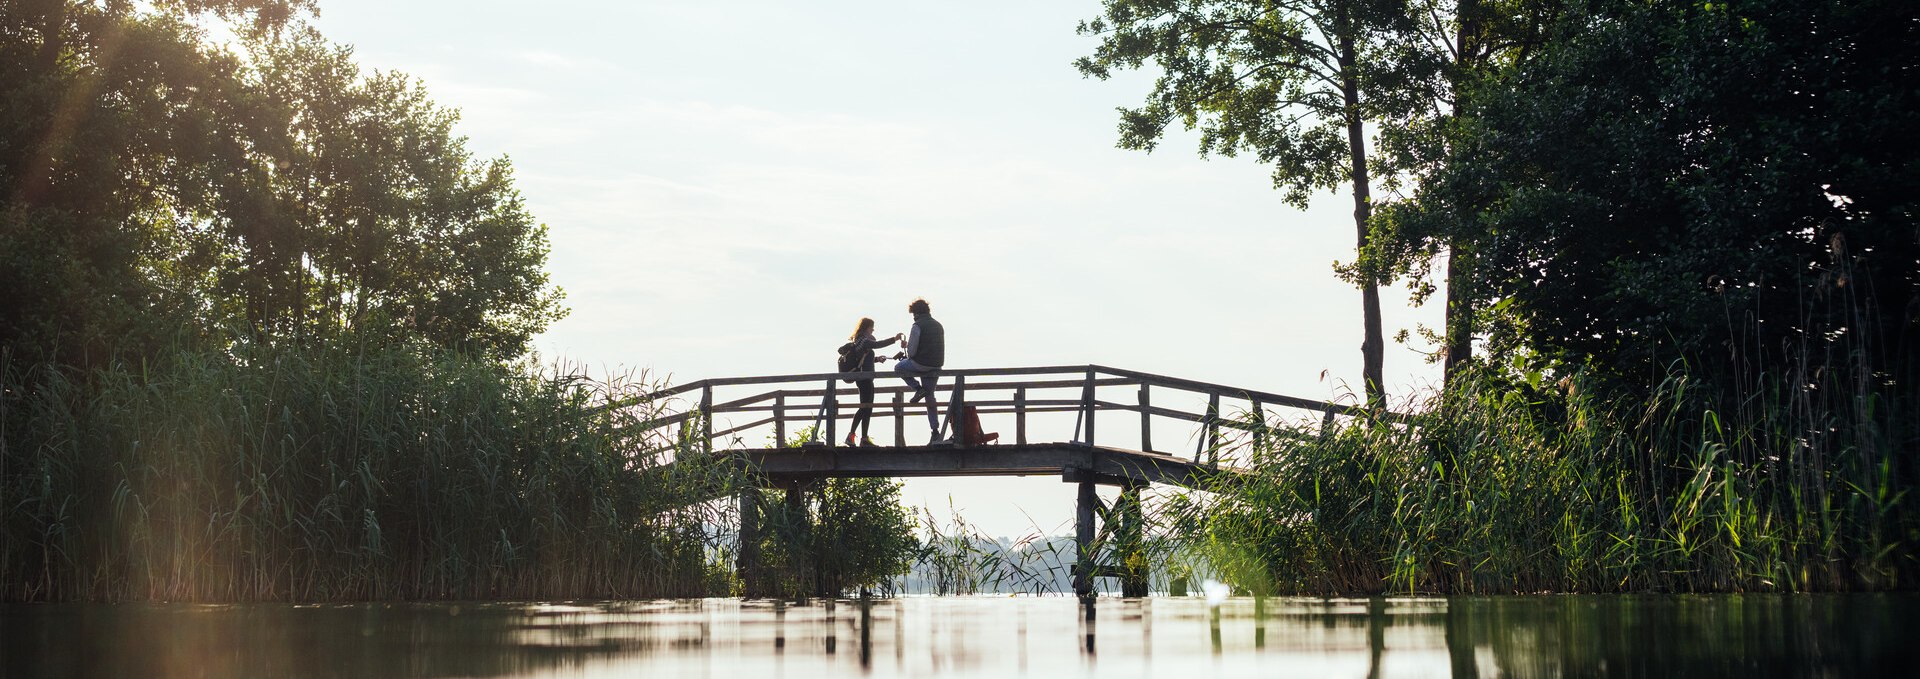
(748,557)
(1084,566)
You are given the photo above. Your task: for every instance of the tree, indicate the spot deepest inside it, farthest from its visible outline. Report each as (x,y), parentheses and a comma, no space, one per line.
(1294,83)
(1730,185)
(158,189)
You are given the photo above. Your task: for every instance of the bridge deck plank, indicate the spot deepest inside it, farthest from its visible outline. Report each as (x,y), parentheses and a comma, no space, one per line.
(1034,459)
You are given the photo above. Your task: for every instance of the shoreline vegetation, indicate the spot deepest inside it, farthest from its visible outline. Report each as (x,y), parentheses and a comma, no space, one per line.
(265,325)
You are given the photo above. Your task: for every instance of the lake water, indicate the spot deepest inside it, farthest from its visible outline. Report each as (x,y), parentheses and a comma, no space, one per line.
(1749,636)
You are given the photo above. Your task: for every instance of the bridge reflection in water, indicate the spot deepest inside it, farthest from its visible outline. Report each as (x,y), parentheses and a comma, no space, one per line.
(1222,424)
(1745,635)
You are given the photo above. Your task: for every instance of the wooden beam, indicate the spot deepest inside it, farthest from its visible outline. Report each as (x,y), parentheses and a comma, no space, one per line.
(1020,416)
(1083,528)
(1146,419)
(899,419)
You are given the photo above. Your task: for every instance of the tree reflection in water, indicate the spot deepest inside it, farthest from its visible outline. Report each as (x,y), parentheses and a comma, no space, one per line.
(1048,636)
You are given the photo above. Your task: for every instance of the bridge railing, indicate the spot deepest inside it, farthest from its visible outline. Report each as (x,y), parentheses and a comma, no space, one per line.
(786,404)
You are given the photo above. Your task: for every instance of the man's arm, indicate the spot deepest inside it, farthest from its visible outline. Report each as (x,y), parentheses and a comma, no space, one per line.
(913,342)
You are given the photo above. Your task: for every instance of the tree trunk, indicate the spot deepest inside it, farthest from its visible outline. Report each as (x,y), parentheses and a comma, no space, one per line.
(1459,321)
(1459,309)
(1373,348)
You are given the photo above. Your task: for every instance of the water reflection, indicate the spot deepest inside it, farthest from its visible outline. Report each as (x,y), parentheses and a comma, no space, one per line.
(1519,636)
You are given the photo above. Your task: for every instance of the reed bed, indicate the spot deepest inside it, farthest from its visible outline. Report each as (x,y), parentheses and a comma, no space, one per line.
(323,475)
(1796,484)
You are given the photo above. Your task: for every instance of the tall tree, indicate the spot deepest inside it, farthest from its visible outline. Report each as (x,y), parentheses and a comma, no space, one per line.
(154,187)
(1451,49)
(1295,83)
(1731,185)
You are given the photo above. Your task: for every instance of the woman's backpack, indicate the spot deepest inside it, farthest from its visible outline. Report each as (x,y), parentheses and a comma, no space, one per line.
(849,359)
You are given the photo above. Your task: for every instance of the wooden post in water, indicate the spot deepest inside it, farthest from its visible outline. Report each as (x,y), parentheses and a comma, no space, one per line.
(1020,416)
(1131,536)
(749,547)
(899,419)
(1083,529)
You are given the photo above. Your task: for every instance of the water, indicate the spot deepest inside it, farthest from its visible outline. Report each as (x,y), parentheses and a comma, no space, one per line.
(1751,636)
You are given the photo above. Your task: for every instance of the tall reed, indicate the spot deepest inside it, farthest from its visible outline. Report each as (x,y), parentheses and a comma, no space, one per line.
(334,475)
(1498,487)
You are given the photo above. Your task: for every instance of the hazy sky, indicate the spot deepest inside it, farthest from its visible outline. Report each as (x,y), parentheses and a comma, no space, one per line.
(730,185)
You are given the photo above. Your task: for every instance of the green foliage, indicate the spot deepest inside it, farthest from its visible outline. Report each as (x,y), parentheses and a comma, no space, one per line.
(160,189)
(1293,83)
(325,475)
(1729,184)
(844,534)
(1505,488)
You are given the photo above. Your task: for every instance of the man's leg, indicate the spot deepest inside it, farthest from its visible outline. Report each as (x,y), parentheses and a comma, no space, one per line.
(908,371)
(933,414)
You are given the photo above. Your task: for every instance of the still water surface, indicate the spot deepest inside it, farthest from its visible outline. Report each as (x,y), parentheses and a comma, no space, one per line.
(1752,636)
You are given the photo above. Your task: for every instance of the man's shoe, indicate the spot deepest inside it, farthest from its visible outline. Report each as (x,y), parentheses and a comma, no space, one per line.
(849,440)
(918,396)
(868,443)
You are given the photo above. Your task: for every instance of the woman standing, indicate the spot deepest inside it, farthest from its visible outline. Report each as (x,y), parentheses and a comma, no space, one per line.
(863,346)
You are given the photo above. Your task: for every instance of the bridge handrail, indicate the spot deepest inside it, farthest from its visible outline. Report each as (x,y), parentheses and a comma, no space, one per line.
(1087,377)
(1143,377)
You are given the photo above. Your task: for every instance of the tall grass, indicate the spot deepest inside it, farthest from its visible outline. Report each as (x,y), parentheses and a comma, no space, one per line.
(334,475)
(1798,484)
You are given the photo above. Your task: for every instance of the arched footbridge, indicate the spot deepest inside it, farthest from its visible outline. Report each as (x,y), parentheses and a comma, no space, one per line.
(1090,425)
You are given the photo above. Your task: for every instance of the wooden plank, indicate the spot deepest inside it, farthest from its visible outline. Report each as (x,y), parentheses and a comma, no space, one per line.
(883,406)
(974,385)
(1129,375)
(1227,391)
(740,428)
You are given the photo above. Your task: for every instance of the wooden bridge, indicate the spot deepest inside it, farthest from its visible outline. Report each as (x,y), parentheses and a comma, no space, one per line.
(1218,422)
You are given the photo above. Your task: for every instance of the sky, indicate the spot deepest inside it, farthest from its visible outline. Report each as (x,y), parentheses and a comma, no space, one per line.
(730,186)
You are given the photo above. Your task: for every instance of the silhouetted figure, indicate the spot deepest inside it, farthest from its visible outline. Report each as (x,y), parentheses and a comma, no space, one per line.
(926,352)
(857,356)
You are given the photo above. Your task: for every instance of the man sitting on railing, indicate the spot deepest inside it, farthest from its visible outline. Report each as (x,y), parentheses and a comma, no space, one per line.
(920,365)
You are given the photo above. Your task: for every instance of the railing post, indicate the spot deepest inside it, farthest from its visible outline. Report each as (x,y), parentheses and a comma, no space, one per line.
(1086,405)
(706,419)
(833,413)
(1213,429)
(780,420)
(1020,415)
(1259,427)
(1146,419)
(899,419)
